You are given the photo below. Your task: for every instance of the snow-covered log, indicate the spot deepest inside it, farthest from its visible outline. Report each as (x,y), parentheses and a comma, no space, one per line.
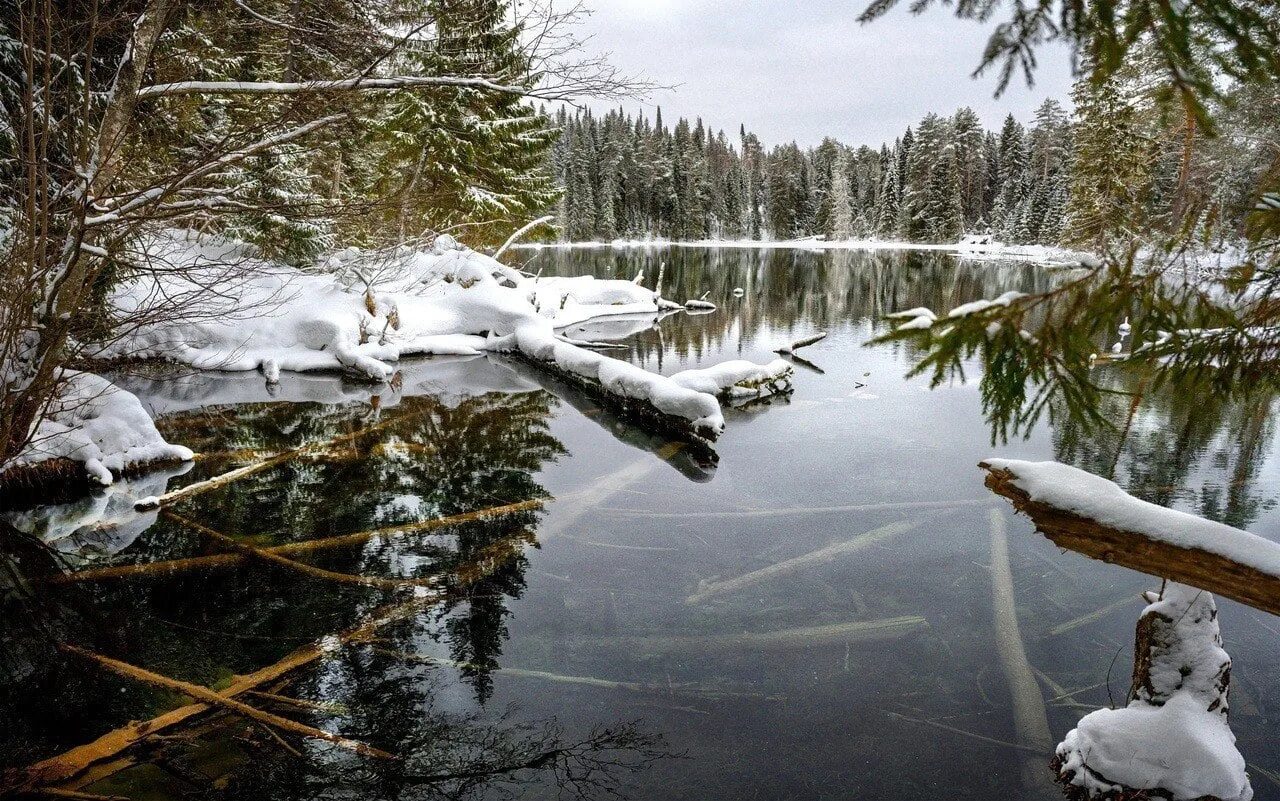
(1172,741)
(738,379)
(1093,516)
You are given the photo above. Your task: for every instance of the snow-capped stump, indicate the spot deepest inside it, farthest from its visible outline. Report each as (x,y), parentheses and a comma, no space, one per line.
(1172,741)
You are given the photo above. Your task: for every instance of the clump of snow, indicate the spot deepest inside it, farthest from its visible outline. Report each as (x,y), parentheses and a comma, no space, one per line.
(738,379)
(1172,739)
(103,427)
(1071,489)
(979,306)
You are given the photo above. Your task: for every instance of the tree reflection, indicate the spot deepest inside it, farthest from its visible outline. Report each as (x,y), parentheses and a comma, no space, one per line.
(422,458)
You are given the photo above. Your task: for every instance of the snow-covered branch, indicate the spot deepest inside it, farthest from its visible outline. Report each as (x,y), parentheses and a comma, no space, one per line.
(180,88)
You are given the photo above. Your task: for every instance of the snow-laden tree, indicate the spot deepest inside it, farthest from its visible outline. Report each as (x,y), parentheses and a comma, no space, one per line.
(842,226)
(121,124)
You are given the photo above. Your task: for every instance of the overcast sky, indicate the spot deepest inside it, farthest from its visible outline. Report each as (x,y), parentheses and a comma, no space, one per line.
(805,69)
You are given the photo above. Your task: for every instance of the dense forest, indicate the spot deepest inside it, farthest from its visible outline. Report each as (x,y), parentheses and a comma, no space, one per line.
(1123,166)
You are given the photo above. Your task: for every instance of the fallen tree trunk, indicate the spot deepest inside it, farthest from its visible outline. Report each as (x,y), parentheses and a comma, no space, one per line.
(172,566)
(1196,566)
(1030,719)
(635,410)
(208,696)
(76,763)
(268,557)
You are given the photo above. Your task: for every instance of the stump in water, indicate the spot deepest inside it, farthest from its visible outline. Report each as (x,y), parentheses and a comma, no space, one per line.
(1172,740)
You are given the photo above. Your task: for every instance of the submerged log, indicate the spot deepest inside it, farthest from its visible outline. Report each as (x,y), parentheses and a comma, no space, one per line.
(710,589)
(172,566)
(208,696)
(274,558)
(1029,716)
(828,634)
(1139,551)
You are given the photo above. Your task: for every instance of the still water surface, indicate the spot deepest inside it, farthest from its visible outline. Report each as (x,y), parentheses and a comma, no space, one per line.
(807,613)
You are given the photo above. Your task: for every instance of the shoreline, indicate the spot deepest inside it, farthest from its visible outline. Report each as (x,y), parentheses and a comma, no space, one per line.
(1045,252)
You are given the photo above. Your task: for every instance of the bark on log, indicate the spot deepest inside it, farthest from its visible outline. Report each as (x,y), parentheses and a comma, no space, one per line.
(1194,566)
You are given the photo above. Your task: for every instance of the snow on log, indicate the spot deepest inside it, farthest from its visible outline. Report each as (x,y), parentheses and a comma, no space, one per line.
(802,343)
(99,426)
(1093,516)
(738,379)
(1172,740)
(700,305)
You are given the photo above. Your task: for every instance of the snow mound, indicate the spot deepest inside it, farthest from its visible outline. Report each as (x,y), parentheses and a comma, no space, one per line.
(1173,738)
(103,427)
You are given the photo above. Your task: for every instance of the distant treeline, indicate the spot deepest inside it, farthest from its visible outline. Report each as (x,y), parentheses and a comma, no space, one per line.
(1119,168)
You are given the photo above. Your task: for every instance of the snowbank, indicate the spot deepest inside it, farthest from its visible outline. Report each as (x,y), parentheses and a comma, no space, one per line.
(101,426)
(363,313)
(1173,738)
(1070,489)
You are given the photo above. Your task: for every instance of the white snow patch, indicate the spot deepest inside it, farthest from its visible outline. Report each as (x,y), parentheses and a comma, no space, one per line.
(103,427)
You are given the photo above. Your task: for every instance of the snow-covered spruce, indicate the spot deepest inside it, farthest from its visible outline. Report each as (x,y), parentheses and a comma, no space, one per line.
(96,424)
(1172,740)
(361,315)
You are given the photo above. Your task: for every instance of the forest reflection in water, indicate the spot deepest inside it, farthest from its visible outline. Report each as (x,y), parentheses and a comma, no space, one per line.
(806,606)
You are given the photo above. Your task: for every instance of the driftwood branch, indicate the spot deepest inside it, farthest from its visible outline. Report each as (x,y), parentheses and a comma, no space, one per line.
(172,566)
(264,555)
(208,696)
(1194,566)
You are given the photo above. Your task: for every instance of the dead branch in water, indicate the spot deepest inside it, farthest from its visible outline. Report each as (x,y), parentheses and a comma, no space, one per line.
(264,555)
(208,696)
(710,589)
(1194,566)
(173,566)
(802,343)
(1029,716)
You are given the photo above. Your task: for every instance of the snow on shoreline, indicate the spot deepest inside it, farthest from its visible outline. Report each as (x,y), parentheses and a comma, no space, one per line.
(210,305)
(101,426)
(1043,253)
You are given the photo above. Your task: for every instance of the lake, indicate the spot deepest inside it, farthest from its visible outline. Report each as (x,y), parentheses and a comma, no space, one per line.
(815,608)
